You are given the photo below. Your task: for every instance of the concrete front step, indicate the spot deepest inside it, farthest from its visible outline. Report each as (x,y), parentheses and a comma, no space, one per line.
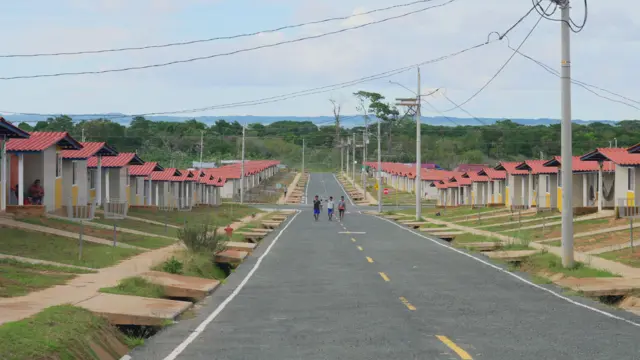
(278,218)
(134,310)
(270,224)
(232,257)
(595,287)
(631,304)
(179,286)
(240,246)
(481,246)
(435,230)
(415,224)
(251,236)
(511,255)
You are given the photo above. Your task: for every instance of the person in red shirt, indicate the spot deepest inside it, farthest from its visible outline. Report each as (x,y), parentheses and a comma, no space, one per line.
(36,193)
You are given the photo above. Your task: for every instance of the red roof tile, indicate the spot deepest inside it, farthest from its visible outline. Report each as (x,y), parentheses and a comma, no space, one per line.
(578,165)
(40,141)
(493,174)
(619,156)
(11,131)
(144,170)
(165,175)
(510,168)
(462,181)
(537,167)
(470,167)
(474,177)
(90,149)
(121,160)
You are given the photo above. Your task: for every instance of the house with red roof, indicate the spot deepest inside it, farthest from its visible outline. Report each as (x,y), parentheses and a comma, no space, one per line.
(542,179)
(7,131)
(479,188)
(515,184)
(442,189)
(115,180)
(496,186)
(141,183)
(39,157)
(164,193)
(621,190)
(585,180)
(462,191)
(78,182)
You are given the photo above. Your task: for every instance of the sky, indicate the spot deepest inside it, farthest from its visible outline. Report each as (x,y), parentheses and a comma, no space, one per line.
(605,54)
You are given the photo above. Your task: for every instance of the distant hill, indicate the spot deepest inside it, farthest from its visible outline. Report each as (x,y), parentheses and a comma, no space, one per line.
(348,121)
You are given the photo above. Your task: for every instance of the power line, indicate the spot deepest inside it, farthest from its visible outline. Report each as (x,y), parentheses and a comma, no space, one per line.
(191,42)
(572,25)
(142,67)
(276,98)
(501,68)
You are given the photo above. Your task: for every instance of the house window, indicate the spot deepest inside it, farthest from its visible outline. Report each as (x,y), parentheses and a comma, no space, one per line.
(631,177)
(58,165)
(92,179)
(74,172)
(559,178)
(547,183)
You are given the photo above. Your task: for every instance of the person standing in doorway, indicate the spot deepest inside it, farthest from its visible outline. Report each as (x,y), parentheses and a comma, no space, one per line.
(316,207)
(341,207)
(330,206)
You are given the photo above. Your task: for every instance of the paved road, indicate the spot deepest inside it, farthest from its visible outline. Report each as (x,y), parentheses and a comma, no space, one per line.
(383,292)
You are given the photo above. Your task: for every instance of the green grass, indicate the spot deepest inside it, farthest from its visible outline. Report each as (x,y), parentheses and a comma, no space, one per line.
(514,247)
(538,221)
(433,226)
(197,264)
(60,249)
(58,332)
(136,286)
(557,243)
(148,242)
(625,256)
(20,278)
(578,226)
(551,263)
(141,226)
(222,215)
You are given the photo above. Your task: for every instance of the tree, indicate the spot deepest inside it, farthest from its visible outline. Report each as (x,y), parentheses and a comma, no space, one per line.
(336,115)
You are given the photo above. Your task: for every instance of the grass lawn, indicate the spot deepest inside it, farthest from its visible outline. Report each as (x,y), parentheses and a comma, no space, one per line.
(394,197)
(60,249)
(550,263)
(217,216)
(554,231)
(193,264)
(625,256)
(433,226)
(454,214)
(148,242)
(141,226)
(19,278)
(136,286)
(267,192)
(539,220)
(58,332)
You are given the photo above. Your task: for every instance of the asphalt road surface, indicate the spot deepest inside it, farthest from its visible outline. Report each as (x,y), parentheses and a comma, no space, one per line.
(369,289)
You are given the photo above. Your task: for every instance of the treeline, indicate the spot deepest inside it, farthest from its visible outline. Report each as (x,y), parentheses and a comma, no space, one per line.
(178,143)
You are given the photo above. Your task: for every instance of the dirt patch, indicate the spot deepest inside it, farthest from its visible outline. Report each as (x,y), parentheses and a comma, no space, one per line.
(585,244)
(625,256)
(555,231)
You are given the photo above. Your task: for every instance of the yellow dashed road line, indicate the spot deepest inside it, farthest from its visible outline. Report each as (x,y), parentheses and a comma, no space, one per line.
(360,248)
(407,304)
(352,239)
(458,350)
(385,277)
(369,259)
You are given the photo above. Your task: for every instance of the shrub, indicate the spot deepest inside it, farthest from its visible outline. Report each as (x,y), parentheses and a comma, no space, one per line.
(202,238)
(173,266)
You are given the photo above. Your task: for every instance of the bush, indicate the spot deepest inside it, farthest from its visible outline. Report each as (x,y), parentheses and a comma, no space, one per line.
(173,266)
(202,238)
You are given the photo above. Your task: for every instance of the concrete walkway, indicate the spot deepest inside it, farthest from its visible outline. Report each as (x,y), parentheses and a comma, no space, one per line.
(516,222)
(143,220)
(460,217)
(575,220)
(68,234)
(368,197)
(290,189)
(592,261)
(502,214)
(43,262)
(110,227)
(593,232)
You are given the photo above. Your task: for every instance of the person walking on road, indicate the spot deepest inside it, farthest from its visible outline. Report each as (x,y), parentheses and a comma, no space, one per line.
(330,206)
(341,207)
(317,203)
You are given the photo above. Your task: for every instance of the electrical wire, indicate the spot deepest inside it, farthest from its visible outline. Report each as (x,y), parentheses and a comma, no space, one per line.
(190,42)
(142,67)
(501,68)
(277,98)
(559,3)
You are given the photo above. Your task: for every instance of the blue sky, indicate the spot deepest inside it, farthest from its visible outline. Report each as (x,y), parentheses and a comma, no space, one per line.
(604,54)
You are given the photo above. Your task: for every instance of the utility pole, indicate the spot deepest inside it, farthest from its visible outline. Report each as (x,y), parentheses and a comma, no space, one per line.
(83,138)
(346,169)
(242,168)
(379,177)
(364,160)
(567,153)
(303,156)
(341,155)
(201,147)
(353,166)
(418,186)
